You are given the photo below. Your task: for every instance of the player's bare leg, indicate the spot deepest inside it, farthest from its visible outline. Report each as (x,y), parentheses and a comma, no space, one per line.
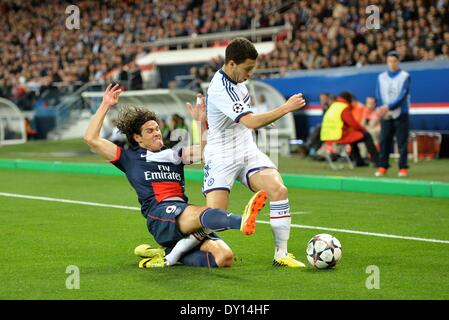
(217,199)
(209,219)
(188,221)
(222,253)
(197,222)
(271,182)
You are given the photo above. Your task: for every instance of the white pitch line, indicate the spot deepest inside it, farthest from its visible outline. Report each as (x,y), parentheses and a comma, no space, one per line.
(299,212)
(86,203)
(373,234)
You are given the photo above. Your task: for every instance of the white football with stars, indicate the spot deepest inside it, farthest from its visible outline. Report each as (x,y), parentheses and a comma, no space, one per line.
(324,251)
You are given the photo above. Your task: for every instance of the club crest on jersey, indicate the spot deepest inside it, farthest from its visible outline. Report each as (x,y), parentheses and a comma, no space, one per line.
(238,107)
(210,182)
(206,170)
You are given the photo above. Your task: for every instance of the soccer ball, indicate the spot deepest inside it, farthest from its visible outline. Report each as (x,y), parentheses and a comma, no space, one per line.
(237,107)
(323,251)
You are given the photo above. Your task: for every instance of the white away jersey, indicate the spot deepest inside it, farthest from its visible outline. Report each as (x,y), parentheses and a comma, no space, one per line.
(226,102)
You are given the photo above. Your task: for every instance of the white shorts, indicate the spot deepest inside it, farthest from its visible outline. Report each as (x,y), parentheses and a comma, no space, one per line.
(221,170)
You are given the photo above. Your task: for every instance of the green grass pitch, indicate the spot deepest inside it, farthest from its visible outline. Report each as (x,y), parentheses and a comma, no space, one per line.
(75,150)
(40,239)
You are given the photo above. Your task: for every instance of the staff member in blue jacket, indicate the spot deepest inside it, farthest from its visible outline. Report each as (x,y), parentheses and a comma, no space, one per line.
(393,94)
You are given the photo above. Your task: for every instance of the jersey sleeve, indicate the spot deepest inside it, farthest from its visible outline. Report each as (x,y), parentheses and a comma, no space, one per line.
(378,96)
(229,103)
(120,160)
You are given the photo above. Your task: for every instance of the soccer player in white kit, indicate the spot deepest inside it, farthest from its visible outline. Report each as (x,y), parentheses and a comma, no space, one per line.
(231,153)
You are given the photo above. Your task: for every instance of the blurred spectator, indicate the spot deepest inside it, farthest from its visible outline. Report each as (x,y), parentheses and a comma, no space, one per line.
(444,52)
(172,85)
(178,122)
(372,120)
(261,105)
(165,130)
(326,99)
(135,76)
(5,90)
(195,84)
(180,131)
(29,130)
(339,126)
(123,77)
(369,118)
(313,142)
(202,74)
(359,112)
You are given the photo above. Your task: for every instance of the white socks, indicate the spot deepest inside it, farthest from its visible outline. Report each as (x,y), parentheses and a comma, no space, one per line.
(184,245)
(280,221)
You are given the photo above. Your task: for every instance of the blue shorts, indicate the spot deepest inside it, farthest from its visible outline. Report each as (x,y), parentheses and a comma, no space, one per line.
(162,224)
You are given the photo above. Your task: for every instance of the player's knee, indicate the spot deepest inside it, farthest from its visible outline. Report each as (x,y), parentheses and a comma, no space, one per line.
(278,193)
(189,221)
(224,259)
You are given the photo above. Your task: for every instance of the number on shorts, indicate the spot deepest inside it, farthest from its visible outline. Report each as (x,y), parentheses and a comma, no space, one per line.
(170,209)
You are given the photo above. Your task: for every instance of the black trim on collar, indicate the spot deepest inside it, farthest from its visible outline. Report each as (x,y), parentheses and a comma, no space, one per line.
(227,77)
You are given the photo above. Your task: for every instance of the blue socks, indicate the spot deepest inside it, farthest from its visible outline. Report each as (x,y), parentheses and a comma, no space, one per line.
(219,220)
(212,220)
(198,258)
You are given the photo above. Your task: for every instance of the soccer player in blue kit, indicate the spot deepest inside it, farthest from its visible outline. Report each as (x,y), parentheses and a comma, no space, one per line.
(157,175)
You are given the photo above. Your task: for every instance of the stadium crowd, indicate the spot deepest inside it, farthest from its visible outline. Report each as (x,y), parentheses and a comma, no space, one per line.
(333,35)
(37,50)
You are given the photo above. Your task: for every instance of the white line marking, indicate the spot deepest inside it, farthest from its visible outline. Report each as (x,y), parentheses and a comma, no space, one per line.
(86,203)
(373,234)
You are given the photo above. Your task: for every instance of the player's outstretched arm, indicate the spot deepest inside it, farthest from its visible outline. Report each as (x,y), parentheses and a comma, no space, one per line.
(105,148)
(194,153)
(255,121)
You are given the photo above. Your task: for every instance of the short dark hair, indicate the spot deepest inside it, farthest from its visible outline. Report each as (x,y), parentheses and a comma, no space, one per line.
(239,50)
(393,53)
(131,119)
(346,95)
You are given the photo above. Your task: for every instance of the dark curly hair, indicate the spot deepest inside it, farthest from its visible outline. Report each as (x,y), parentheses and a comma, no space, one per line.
(131,119)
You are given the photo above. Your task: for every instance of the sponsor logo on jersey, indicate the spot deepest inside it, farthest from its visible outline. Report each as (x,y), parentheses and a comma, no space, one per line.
(164,173)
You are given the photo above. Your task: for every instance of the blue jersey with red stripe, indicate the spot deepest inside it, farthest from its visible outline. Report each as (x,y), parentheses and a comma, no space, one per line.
(155,176)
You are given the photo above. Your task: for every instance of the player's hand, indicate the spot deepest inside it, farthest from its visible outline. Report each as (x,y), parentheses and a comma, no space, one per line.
(198,112)
(383,110)
(111,95)
(295,102)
